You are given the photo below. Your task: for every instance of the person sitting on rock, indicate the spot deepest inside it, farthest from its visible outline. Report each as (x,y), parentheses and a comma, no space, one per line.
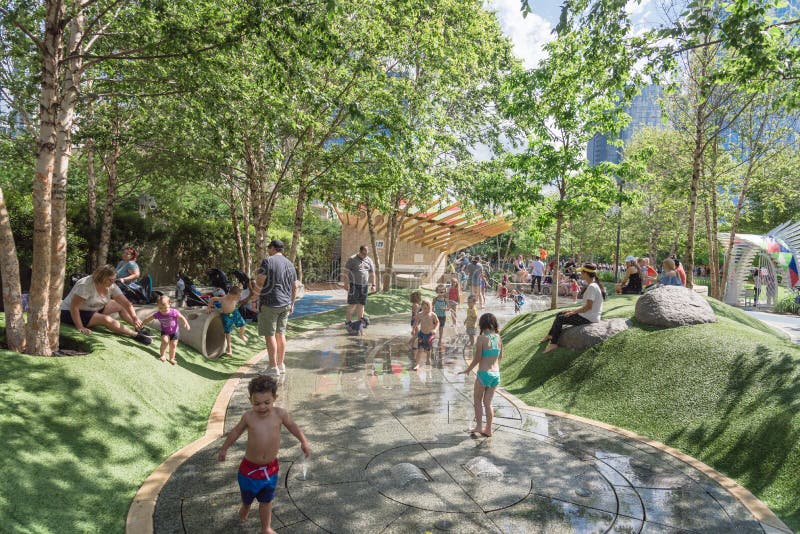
(590,312)
(669,277)
(632,282)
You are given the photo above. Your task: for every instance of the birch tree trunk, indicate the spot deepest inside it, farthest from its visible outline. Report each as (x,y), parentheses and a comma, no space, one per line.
(66,114)
(12,291)
(111,197)
(372,240)
(557,263)
(237,231)
(37,327)
(697,156)
(248,256)
(299,215)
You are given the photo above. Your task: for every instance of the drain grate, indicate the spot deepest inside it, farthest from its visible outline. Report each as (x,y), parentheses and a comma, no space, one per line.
(405,473)
(481,467)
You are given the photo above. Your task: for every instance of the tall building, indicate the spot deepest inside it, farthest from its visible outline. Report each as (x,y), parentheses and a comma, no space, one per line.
(644,110)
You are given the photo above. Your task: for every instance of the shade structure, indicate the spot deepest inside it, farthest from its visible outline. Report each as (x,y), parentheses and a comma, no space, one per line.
(442,224)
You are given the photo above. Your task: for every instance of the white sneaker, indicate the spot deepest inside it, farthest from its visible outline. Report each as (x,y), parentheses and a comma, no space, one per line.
(282,368)
(273,371)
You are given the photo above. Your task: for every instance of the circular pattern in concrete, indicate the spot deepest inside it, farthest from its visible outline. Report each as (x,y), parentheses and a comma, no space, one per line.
(390,453)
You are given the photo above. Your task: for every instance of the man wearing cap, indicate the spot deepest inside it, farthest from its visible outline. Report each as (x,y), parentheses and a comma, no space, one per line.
(276,284)
(358,277)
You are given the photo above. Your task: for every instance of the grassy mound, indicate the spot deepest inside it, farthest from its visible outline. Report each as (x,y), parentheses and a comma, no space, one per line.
(726,393)
(80,434)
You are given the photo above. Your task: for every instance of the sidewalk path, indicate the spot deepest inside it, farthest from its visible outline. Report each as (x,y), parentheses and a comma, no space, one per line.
(788,323)
(390,453)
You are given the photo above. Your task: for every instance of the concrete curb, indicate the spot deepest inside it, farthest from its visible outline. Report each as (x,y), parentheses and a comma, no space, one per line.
(140,514)
(759,510)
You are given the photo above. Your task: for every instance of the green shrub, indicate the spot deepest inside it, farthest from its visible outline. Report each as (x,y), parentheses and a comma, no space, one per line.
(788,305)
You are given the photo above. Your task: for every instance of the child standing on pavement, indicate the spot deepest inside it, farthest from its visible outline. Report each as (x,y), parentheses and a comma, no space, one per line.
(228,307)
(453,299)
(426,326)
(440,309)
(416,299)
(471,322)
(487,356)
(258,471)
(170,332)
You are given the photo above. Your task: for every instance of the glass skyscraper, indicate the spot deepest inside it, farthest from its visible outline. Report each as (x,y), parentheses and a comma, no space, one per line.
(644,110)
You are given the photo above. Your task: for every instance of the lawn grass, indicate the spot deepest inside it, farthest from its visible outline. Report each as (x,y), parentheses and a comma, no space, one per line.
(726,393)
(80,434)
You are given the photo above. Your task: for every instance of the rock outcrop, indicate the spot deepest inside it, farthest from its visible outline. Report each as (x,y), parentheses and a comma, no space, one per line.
(584,336)
(673,306)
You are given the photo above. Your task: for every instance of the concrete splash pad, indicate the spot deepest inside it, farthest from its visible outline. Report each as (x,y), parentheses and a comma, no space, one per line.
(390,453)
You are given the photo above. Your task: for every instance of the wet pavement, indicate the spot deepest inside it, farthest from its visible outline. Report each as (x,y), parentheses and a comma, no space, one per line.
(390,453)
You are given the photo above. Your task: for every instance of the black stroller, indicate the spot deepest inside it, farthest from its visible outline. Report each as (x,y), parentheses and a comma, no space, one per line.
(218,279)
(139,292)
(191,294)
(248,313)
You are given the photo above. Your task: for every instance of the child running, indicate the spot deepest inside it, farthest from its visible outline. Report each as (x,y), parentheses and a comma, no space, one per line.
(426,325)
(471,322)
(487,356)
(416,299)
(170,331)
(453,299)
(440,309)
(258,471)
(228,307)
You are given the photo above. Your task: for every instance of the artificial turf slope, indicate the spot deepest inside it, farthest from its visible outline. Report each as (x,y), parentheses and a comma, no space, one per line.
(726,393)
(80,434)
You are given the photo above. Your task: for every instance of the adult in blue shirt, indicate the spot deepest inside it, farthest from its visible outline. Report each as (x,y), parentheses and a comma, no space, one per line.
(127,268)
(276,283)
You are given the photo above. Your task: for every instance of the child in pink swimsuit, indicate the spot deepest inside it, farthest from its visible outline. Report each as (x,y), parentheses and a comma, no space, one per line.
(170,332)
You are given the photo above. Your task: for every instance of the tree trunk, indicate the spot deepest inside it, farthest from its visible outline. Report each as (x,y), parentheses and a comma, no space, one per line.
(386,283)
(299,214)
(111,198)
(12,291)
(66,114)
(237,231)
(557,263)
(91,203)
(713,261)
(508,249)
(248,256)
(697,156)
(372,239)
(37,328)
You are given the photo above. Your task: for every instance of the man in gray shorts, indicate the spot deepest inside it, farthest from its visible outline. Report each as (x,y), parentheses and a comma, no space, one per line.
(276,284)
(358,278)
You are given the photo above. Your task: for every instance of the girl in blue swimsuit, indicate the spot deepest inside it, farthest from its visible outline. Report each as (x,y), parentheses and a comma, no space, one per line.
(488,353)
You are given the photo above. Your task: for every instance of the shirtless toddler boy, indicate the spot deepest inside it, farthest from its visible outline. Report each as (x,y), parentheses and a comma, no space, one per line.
(228,307)
(426,325)
(258,472)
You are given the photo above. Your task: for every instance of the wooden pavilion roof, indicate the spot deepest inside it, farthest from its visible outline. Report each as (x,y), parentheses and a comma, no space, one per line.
(441,225)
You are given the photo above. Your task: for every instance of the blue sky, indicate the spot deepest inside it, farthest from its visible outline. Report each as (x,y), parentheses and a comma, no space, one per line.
(529,34)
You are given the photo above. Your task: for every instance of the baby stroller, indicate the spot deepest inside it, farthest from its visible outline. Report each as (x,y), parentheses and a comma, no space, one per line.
(218,279)
(139,292)
(192,294)
(248,313)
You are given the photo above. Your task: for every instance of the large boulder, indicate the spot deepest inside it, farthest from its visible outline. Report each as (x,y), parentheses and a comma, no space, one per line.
(584,336)
(673,306)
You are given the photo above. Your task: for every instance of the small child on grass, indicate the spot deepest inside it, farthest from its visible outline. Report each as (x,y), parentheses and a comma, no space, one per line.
(426,325)
(228,307)
(487,356)
(258,471)
(168,317)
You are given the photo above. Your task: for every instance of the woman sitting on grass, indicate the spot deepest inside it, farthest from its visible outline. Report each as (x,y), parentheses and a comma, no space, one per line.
(590,312)
(669,277)
(93,299)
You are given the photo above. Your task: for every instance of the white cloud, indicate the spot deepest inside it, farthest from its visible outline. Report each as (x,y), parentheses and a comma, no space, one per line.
(528,34)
